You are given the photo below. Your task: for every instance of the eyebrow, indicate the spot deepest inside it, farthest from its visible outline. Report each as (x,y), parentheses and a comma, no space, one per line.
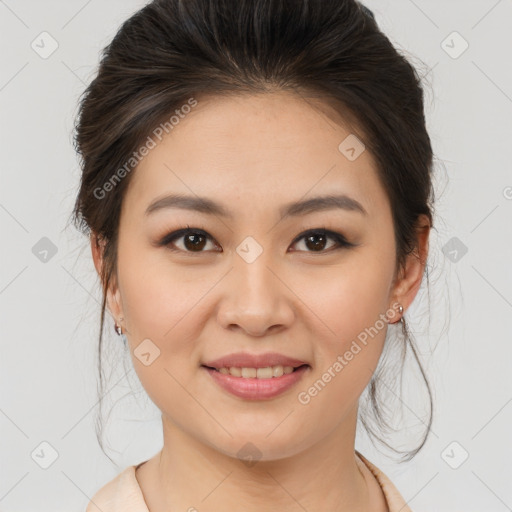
(294,209)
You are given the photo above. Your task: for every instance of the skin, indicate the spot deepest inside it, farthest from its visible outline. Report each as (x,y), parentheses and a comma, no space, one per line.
(254,154)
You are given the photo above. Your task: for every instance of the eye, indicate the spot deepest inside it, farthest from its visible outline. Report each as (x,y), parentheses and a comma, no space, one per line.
(194,240)
(316,239)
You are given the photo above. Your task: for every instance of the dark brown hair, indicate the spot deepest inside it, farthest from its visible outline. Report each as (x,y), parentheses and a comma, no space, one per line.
(174,50)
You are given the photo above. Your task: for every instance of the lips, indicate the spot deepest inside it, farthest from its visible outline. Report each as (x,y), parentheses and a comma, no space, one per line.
(245,360)
(256,376)
(257,388)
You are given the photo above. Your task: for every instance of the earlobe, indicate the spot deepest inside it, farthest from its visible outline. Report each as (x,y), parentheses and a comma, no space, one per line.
(113,302)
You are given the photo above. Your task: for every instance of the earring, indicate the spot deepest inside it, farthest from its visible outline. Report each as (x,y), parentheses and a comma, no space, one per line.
(401,310)
(118,328)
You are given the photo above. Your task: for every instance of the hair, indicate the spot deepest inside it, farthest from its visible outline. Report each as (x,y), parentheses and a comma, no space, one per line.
(173,50)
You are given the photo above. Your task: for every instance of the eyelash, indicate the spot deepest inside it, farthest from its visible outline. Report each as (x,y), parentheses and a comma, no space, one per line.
(342,243)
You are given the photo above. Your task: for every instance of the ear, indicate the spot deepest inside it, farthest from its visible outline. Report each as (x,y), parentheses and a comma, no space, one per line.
(409,278)
(114,303)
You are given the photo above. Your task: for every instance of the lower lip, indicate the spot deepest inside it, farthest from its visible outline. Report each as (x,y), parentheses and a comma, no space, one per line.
(257,389)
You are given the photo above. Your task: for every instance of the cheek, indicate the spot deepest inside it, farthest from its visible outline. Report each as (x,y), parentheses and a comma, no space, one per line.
(162,313)
(158,298)
(345,361)
(350,297)
(351,325)
(164,328)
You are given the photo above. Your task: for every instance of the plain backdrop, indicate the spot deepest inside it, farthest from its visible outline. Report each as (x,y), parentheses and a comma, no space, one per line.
(50,300)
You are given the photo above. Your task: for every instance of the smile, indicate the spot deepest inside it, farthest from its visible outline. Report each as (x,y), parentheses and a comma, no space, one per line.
(257,373)
(257,383)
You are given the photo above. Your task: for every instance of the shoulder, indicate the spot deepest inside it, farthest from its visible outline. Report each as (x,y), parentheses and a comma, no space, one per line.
(394,499)
(121,494)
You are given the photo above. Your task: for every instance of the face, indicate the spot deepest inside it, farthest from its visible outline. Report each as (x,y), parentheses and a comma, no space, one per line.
(256,275)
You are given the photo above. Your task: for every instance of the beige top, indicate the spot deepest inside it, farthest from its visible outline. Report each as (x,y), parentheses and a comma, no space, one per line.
(123,493)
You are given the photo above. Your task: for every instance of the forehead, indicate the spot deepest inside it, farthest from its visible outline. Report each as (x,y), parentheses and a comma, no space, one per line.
(255,149)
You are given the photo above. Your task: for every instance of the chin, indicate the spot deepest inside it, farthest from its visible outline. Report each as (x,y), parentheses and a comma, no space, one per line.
(257,446)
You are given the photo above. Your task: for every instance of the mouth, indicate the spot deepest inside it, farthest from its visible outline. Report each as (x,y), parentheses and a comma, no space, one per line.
(267,372)
(263,383)
(256,376)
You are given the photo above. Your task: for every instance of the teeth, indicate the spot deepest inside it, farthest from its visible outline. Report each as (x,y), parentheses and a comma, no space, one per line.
(249,373)
(259,373)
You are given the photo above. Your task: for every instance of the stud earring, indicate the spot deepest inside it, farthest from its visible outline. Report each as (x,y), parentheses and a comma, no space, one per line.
(118,328)
(401,310)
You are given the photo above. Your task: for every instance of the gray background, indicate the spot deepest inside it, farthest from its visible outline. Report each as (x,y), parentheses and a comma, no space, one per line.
(49,301)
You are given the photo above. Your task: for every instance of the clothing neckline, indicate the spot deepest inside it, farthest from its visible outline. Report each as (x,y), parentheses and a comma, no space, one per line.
(124,493)
(394,499)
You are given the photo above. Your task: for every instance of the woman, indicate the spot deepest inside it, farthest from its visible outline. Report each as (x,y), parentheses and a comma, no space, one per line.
(257,190)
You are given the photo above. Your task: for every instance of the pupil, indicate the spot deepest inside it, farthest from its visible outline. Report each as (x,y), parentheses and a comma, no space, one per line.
(311,238)
(196,243)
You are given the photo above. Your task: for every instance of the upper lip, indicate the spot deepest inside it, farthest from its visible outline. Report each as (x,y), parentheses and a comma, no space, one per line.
(245,360)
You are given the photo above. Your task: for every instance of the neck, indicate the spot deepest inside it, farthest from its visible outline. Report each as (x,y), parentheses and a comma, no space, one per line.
(326,476)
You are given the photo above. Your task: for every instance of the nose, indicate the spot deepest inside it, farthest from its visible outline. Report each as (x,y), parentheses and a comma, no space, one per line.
(255,298)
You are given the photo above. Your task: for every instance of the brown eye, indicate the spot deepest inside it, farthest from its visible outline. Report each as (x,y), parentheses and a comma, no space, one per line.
(316,240)
(194,240)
